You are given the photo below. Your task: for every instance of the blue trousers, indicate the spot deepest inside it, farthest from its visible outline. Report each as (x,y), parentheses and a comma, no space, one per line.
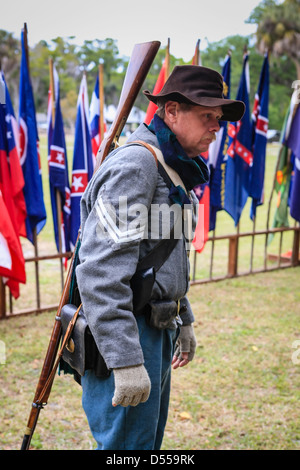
(138,427)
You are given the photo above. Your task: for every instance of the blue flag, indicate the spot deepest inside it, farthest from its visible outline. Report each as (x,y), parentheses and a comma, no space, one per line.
(95,121)
(29,153)
(217,156)
(293,142)
(58,173)
(259,135)
(82,159)
(239,155)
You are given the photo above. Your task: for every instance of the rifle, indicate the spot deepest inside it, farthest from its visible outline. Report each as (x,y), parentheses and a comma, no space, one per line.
(138,67)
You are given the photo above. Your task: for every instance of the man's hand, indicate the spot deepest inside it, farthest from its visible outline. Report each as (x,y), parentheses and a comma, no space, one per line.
(132,386)
(185,347)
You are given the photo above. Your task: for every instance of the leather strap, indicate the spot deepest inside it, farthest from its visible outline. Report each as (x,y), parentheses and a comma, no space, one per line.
(159,158)
(148,146)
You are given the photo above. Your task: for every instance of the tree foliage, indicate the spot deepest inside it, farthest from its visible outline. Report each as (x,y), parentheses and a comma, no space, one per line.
(278,29)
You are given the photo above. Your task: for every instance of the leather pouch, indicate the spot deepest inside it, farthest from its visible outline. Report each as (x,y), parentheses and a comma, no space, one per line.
(81,352)
(163,314)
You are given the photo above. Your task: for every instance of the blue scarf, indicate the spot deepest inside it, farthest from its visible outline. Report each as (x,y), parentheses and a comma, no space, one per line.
(192,171)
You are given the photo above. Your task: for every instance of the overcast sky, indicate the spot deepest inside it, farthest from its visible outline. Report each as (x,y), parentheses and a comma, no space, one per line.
(130,21)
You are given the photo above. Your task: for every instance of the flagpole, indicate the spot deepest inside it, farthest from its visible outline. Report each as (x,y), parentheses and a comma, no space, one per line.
(34,232)
(167,59)
(196,58)
(101,100)
(26,46)
(2,299)
(212,254)
(252,243)
(52,90)
(57,193)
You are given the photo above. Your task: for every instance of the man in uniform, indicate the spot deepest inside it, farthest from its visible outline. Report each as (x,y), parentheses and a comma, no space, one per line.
(132,190)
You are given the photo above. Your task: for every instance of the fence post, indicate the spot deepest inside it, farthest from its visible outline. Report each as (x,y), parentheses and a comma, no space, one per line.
(296,245)
(2,299)
(232,256)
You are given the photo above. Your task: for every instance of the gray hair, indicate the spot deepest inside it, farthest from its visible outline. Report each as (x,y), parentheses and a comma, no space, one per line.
(161,107)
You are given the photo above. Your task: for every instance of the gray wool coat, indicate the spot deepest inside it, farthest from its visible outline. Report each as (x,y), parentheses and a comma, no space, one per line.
(117,231)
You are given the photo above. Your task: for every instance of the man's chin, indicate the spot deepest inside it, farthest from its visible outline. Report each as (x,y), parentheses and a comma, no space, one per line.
(204,149)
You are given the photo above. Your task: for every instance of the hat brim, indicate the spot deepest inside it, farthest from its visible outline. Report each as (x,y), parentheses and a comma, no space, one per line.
(233,110)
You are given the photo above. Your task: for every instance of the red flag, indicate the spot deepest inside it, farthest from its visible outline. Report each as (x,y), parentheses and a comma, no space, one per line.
(6,187)
(12,264)
(17,183)
(202,228)
(11,137)
(158,86)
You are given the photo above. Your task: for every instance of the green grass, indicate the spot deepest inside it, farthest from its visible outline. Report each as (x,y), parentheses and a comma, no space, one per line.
(241,391)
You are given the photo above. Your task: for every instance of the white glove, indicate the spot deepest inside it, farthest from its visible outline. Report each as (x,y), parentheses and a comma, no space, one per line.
(186,343)
(132,386)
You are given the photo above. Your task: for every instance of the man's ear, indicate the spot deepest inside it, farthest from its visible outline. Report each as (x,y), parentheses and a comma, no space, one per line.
(171,109)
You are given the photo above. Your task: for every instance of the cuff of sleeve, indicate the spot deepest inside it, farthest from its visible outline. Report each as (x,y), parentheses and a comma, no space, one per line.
(125,360)
(186,313)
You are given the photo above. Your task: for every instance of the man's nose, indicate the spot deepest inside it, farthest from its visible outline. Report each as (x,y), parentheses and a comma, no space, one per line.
(215,127)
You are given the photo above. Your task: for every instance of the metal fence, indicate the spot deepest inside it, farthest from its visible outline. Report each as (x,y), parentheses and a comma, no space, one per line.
(269,260)
(207,266)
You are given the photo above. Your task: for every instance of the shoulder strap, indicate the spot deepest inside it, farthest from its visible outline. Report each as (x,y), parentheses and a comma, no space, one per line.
(172,174)
(169,174)
(159,253)
(162,250)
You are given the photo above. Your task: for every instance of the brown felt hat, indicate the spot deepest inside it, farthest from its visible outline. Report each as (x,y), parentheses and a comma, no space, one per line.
(198,85)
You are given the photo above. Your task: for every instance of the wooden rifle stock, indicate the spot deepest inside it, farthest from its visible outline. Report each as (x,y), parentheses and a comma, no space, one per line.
(138,67)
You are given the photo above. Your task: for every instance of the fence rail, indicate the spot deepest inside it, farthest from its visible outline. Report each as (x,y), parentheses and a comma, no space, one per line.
(270,261)
(289,259)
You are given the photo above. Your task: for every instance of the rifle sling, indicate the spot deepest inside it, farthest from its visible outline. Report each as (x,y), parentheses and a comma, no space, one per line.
(162,250)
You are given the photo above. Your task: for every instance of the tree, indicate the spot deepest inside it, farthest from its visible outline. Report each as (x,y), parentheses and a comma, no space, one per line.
(10,51)
(90,54)
(279,29)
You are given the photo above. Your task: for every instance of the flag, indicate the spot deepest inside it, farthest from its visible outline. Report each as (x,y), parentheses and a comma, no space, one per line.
(82,159)
(95,127)
(284,172)
(259,135)
(29,153)
(239,154)
(12,264)
(217,155)
(293,142)
(6,185)
(58,172)
(17,181)
(152,107)
(202,191)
